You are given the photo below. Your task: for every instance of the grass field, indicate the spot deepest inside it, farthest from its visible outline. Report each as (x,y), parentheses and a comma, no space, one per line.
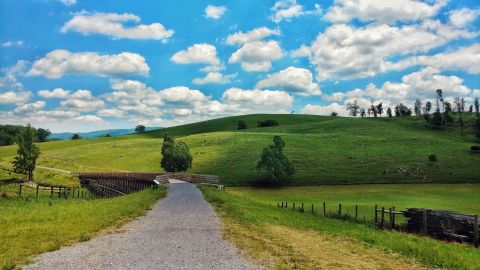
(325,150)
(29,226)
(285,239)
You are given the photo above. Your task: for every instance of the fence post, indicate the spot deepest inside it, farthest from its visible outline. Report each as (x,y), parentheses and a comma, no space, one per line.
(376,214)
(293,208)
(59,192)
(37,189)
(390,220)
(303,210)
(312,208)
(424,221)
(286,205)
(339,209)
(51,192)
(324,209)
(475,231)
(282,205)
(393,217)
(356,212)
(383,218)
(20,191)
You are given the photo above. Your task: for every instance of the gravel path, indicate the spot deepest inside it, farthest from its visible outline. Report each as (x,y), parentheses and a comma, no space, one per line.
(180,232)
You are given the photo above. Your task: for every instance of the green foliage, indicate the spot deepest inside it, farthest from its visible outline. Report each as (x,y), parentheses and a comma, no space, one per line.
(27,153)
(333,114)
(432,158)
(477,128)
(428,107)
(42,134)
(402,110)
(140,128)
(75,136)
(278,166)
(176,157)
(242,125)
(8,133)
(267,123)
(437,120)
(389,112)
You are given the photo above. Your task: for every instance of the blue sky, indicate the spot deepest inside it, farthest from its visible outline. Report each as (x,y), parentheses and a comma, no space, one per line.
(78,65)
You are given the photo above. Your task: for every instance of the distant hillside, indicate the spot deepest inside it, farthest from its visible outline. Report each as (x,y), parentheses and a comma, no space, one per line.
(97,134)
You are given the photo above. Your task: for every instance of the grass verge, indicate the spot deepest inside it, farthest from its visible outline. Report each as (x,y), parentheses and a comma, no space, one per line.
(286,239)
(29,227)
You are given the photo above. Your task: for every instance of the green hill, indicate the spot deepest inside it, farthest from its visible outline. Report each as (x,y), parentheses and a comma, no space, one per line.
(325,150)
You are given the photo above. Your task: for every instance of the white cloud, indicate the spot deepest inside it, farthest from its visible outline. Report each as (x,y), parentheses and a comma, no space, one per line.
(55,93)
(29,108)
(257,100)
(82,100)
(215,12)
(343,11)
(214,78)
(198,54)
(288,9)
(7,44)
(324,109)
(68,2)
(462,17)
(257,56)
(256,34)
(465,59)
(292,79)
(12,97)
(58,62)
(345,52)
(182,94)
(9,81)
(112,24)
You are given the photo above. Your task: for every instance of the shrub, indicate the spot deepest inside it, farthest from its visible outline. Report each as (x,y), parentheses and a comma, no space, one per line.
(432,158)
(242,125)
(267,123)
(176,157)
(475,148)
(76,136)
(278,166)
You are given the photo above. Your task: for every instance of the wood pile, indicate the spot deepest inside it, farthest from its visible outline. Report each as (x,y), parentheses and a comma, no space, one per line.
(445,225)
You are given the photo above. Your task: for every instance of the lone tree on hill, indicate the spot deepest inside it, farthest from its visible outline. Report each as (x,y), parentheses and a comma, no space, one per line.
(278,166)
(42,134)
(380,108)
(75,136)
(140,128)
(27,153)
(353,108)
(417,107)
(176,157)
(242,125)
(389,112)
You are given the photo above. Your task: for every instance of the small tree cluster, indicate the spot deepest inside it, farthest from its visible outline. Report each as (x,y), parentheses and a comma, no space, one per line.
(241,125)
(27,153)
(140,128)
(267,123)
(176,157)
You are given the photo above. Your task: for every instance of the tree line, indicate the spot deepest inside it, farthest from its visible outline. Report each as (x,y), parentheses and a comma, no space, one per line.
(9,134)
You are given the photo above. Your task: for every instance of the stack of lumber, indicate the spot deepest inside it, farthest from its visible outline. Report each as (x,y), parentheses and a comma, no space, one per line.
(441,224)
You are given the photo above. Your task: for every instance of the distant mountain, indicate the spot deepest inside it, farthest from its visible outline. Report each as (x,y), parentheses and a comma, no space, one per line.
(96,134)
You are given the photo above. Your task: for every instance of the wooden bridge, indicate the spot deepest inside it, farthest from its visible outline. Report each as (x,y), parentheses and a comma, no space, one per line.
(111,184)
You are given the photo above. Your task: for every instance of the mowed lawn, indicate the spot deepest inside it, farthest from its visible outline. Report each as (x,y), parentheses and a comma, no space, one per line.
(285,239)
(30,226)
(325,150)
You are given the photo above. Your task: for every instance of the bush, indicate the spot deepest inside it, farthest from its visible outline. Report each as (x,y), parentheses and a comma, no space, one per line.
(76,136)
(475,148)
(432,158)
(267,123)
(242,125)
(176,157)
(278,166)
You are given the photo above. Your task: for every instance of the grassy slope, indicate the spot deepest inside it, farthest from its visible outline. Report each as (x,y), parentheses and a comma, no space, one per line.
(30,226)
(260,229)
(325,150)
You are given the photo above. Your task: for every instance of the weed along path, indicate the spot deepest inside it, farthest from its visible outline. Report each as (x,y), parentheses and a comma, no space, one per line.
(180,232)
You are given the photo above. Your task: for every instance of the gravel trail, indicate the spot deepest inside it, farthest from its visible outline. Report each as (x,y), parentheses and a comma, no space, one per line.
(180,232)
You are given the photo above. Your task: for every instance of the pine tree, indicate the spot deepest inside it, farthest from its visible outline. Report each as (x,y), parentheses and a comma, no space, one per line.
(27,153)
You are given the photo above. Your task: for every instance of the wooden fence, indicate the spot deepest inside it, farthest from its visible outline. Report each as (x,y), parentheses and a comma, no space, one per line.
(445,225)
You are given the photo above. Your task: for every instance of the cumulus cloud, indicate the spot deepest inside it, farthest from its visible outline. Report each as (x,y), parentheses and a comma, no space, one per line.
(112,24)
(55,93)
(288,9)
(291,79)
(344,51)
(343,11)
(257,100)
(199,54)
(29,108)
(68,2)
(256,34)
(82,100)
(214,78)
(465,58)
(462,17)
(257,56)
(57,63)
(324,109)
(7,44)
(9,80)
(12,97)
(215,12)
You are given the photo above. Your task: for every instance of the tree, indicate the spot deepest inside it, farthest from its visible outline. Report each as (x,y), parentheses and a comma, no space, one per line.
(417,107)
(42,134)
(440,99)
(437,120)
(241,125)
(140,128)
(334,114)
(373,109)
(402,110)
(470,109)
(389,112)
(176,157)
(75,136)
(27,153)
(362,112)
(476,105)
(447,107)
(460,105)
(278,166)
(353,108)
(267,123)
(380,108)
(428,107)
